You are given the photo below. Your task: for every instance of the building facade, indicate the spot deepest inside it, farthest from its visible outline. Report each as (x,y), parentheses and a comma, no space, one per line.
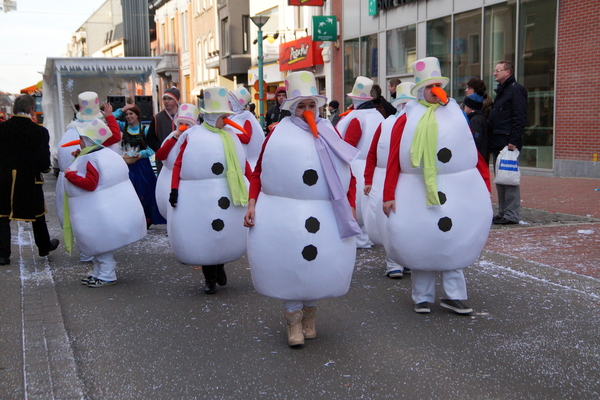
(543,38)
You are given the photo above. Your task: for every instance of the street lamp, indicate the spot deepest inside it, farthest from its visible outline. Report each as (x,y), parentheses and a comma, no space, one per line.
(260,21)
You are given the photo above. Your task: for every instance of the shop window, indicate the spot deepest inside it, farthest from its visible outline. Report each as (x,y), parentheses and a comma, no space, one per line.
(360,59)
(535,71)
(499,39)
(401,50)
(439,37)
(466,60)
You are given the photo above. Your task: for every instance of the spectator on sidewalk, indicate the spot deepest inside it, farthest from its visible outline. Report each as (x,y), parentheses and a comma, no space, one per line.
(24,156)
(334,112)
(506,125)
(475,85)
(392,85)
(163,123)
(477,121)
(381,104)
(275,113)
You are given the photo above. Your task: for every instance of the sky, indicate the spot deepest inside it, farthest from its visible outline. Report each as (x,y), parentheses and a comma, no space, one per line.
(36,30)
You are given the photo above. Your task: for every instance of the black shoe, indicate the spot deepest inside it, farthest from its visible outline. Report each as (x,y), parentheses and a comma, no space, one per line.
(422,308)
(505,221)
(4,261)
(210,287)
(221,276)
(497,218)
(53,246)
(456,305)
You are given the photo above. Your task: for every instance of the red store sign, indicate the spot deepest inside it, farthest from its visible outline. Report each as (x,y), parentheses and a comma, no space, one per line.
(299,54)
(305,2)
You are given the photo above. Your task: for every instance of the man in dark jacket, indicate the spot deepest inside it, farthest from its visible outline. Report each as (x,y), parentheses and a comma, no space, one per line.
(275,113)
(163,123)
(24,156)
(506,125)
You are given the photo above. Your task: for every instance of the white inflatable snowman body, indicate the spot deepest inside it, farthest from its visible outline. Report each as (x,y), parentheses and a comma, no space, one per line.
(294,249)
(163,182)
(205,227)
(246,120)
(369,121)
(111,216)
(450,236)
(372,209)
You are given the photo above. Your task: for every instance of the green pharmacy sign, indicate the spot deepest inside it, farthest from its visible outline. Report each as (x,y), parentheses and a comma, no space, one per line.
(372,7)
(325,28)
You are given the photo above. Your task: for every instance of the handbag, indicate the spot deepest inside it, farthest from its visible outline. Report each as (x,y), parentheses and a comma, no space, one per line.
(507,168)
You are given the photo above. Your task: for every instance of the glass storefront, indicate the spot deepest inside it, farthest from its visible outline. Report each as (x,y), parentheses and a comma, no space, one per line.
(469,44)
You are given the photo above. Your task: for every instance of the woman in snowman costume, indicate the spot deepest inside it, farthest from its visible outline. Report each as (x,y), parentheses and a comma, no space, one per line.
(358,128)
(238,100)
(89,109)
(209,194)
(375,174)
(436,192)
(301,246)
(103,208)
(186,117)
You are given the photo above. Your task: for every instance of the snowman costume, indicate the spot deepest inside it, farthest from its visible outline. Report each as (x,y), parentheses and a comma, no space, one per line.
(302,246)
(89,110)
(104,209)
(440,224)
(187,115)
(376,164)
(238,100)
(358,128)
(208,194)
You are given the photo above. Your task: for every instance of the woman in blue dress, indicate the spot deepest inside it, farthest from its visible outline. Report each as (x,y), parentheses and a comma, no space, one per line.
(137,155)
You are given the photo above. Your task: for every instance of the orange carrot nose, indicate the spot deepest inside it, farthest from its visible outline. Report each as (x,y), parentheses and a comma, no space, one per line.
(309,116)
(439,92)
(71,143)
(182,128)
(229,122)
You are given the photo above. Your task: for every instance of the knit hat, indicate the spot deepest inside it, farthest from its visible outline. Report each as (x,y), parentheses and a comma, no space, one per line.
(95,131)
(427,71)
(403,94)
(334,104)
(241,95)
(302,85)
(475,101)
(187,113)
(172,92)
(362,89)
(215,101)
(89,106)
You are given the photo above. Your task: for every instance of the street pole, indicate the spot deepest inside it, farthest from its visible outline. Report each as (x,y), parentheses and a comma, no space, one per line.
(260,21)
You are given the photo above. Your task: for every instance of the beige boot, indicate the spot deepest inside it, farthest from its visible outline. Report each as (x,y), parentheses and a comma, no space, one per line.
(308,322)
(294,325)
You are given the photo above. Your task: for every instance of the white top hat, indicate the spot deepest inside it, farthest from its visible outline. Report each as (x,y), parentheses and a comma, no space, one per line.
(302,85)
(362,89)
(95,130)
(241,95)
(427,71)
(89,106)
(187,113)
(215,101)
(403,94)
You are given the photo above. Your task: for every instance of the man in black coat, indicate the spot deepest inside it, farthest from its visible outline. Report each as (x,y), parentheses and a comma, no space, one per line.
(163,122)
(506,125)
(24,156)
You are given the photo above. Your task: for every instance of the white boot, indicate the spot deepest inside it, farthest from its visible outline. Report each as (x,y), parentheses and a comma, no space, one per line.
(294,325)
(308,322)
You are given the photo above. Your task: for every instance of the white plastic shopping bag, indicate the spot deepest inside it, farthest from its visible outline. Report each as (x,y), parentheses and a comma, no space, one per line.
(507,168)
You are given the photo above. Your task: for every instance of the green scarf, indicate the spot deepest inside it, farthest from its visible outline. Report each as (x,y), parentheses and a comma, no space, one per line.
(423,149)
(234,174)
(67,228)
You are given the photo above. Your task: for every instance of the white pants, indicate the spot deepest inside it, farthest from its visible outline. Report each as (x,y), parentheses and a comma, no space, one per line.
(362,240)
(423,285)
(391,265)
(105,267)
(295,305)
